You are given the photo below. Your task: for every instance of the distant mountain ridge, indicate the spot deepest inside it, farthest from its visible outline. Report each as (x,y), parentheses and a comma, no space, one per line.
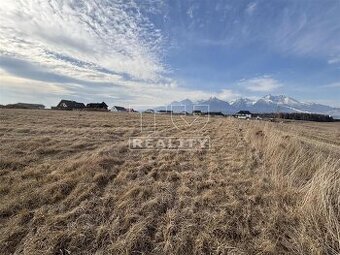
(266,104)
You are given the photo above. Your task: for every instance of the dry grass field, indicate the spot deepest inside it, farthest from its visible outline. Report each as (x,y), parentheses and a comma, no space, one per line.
(69,184)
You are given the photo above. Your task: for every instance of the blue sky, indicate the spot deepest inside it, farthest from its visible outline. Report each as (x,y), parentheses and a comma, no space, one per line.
(153,51)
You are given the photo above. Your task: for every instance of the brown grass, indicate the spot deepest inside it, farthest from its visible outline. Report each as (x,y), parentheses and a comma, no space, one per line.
(70,185)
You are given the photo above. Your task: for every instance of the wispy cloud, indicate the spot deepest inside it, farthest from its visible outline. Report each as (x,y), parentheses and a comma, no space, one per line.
(334,60)
(227,94)
(251,7)
(332,85)
(110,34)
(118,49)
(24,69)
(313,32)
(99,45)
(261,84)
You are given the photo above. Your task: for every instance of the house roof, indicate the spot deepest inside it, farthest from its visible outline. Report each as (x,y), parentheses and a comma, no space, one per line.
(97,105)
(119,108)
(244,112)
(215,113)
(70,104)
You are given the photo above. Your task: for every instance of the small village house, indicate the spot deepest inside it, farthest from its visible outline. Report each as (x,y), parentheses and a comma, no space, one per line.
(96,107)
(149,111)
(69,105)
(197,112)
(118,109)
(243,115)
(213,114)
(165,112)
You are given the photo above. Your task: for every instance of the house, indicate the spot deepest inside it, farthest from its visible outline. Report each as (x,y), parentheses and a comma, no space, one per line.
(197,112)
(25,106)
(165,112)
(69,105)
(216,114)
(96,107)
(243,115)
(118,109)
(130,110)
(149,111)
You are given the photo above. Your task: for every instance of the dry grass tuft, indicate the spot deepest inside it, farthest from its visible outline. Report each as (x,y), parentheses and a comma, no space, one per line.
(70,185)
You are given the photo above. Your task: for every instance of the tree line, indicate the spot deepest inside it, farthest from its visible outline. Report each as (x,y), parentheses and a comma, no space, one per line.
(297,116)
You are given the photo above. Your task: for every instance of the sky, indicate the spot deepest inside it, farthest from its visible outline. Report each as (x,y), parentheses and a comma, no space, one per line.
(151,52)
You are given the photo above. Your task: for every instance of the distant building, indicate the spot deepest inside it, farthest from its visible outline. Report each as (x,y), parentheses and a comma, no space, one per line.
(165,112)
(216,114)
(25,106)
(197,112)
(69,105)
(118,109)
(97,107)
(149,111)
(243,115)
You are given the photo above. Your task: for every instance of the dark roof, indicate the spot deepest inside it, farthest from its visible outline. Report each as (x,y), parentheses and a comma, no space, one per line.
(244,112)
(216,113)
(70,104)
(119,108)
(97,105)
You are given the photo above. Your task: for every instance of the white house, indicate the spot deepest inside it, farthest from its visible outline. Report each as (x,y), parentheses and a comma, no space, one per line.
(243,115)
(149,111)
(118,109)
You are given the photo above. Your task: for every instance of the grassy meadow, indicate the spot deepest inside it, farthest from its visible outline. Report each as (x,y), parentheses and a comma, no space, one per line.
(69,184)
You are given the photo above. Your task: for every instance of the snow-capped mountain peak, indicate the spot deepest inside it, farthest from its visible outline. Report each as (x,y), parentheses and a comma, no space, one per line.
(281,99)
(242,101)
(266,104)
(213,99)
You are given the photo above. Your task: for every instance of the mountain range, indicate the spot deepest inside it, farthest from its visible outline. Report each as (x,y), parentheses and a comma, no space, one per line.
(266,104)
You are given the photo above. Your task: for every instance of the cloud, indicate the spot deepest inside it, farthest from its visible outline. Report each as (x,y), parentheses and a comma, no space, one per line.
(334,60)
(31,86)
(110,34)
(49,91)
(99,50)
(117,49)
(333,85)
(24,69)
(260,84)
(306,32)
(92,50)
(251,7)
(227,94)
